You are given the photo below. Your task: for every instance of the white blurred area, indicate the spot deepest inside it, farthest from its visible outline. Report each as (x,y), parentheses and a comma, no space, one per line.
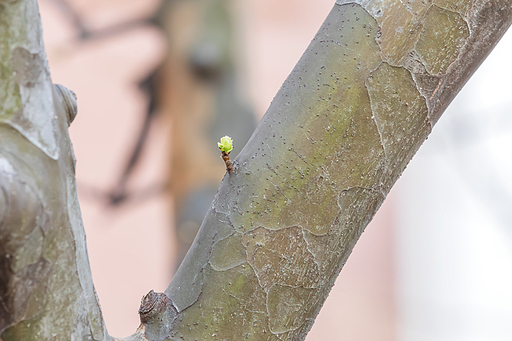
(454,217)
(436,262)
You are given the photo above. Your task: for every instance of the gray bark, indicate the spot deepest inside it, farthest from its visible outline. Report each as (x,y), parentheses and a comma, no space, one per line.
(46,289)
(358,105)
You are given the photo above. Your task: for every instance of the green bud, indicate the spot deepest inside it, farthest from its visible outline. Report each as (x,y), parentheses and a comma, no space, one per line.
(225,144)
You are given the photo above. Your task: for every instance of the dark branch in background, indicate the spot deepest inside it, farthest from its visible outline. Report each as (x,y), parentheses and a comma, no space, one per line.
(84,33)
(119,194)
(137,196)
(69,13)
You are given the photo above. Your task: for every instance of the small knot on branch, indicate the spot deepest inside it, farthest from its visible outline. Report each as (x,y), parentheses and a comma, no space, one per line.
(151,305)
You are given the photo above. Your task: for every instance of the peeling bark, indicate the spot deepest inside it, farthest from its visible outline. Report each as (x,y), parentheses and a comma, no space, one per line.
(338,134)
(358,105)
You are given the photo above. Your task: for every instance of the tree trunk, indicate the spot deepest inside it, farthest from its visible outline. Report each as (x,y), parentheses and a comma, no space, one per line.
(362,99)
(46,289)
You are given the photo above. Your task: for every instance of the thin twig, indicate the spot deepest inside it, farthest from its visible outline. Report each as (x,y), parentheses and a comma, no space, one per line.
(227,161)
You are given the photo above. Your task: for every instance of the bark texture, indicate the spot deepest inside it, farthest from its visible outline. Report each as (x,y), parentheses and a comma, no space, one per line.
(46,289)
(343,127)
(336,137)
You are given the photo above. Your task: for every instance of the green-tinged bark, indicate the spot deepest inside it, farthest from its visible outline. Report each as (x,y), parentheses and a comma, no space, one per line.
(336,137)
(46,289)
(338,134)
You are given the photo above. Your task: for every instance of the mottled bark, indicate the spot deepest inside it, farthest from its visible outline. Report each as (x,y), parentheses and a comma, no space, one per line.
(46,289)
(358,105)
(343,127)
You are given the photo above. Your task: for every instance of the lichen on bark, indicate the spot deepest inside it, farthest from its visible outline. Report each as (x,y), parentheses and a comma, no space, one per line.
(341,130)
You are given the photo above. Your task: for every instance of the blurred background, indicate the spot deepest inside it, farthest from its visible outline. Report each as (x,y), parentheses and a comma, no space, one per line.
(159,82)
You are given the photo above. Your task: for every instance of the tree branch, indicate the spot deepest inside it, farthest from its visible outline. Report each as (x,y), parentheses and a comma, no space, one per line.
(337,136)
(46,289)
(339,133)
